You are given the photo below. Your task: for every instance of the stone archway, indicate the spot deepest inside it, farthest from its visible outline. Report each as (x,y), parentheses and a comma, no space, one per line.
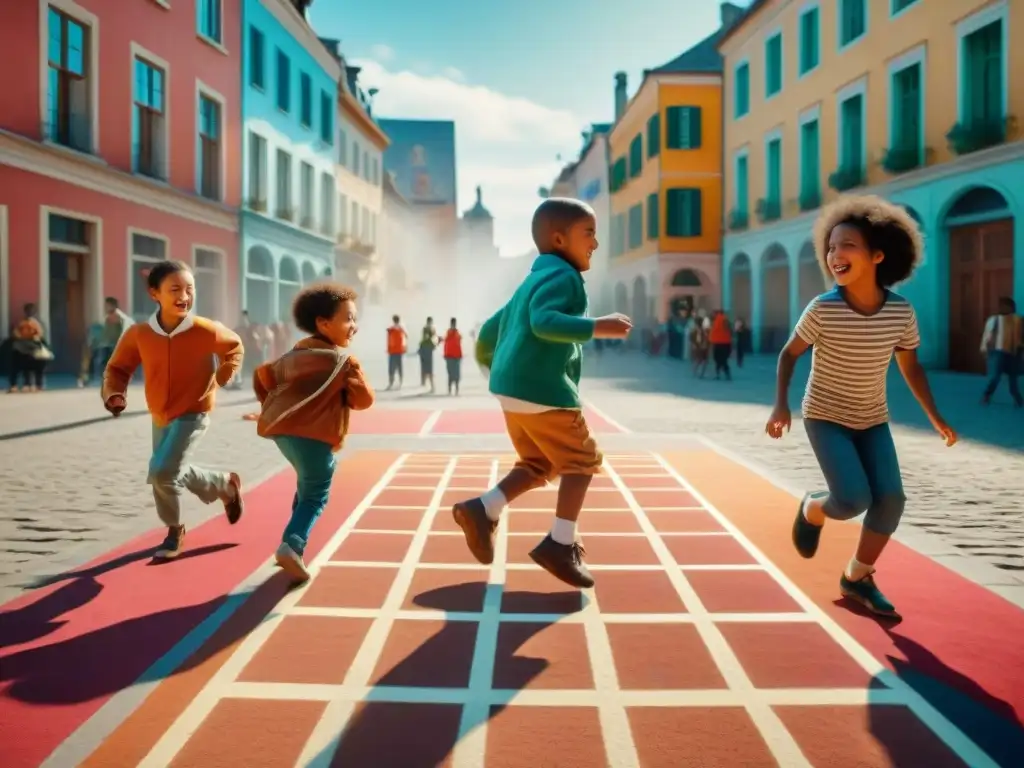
(688,291)
(621,298)
(810,278)
(775,320)
(979,225)
(308,273)
(289,282)
(259,285)
(741,289)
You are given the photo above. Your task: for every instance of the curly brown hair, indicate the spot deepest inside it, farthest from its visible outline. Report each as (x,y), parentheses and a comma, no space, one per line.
(319,300)
(885,227)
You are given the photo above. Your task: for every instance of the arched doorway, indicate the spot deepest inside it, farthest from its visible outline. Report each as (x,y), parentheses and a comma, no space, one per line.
(259,285)
(288,285)
(980,226)
(639,310)
(308,273)
(741,290)
(775,322)
(621,298)
(687,292)
(810,279)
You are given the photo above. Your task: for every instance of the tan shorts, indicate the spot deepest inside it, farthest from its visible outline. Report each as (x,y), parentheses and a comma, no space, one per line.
(553,443)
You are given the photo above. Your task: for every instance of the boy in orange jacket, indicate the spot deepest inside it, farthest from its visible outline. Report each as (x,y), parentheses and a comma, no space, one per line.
(176,350)
(306,396)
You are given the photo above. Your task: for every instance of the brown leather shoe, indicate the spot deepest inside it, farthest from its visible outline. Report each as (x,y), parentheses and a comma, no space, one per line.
(234,506)
(564,562)
(478,528)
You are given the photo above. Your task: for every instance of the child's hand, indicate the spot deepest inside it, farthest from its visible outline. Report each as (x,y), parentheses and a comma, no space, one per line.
(780,420)
(614,326)
(947,432)
(115,404)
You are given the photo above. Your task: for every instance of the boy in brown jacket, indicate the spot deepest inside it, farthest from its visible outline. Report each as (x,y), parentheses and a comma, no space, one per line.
(176,350)
(306,396)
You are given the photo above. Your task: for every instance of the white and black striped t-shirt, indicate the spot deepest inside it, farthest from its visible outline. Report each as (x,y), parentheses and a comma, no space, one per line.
(851,357)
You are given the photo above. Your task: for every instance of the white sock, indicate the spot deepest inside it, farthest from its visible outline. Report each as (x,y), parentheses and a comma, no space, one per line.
(563,531)
(856,570)
(494,502)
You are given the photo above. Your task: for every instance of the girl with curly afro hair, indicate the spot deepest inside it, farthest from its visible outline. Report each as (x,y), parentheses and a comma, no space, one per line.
(865,245)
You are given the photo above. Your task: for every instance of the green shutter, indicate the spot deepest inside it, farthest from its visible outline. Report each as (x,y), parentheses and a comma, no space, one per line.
(809,41)
(636,156)
(773,65)
(853,133)
(695,213)
(694,121)
(654,135)
(741,96)
(853,20)
(810,170)
(983,83)
(683,213)
(636,226)
(742,184)
(906,109)
(774,176)
(674,120)
(652,216)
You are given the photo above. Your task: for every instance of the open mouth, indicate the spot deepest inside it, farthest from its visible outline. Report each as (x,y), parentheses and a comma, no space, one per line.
(181,306)
(840,269)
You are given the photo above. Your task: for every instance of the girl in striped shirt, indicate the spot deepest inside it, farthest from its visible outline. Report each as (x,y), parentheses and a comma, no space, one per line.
(865,245)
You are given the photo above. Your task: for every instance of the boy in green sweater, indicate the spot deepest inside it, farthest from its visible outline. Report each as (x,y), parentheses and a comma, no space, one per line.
(533,348)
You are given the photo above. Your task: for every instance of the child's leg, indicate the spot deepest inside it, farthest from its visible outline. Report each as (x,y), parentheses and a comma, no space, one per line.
(314,463)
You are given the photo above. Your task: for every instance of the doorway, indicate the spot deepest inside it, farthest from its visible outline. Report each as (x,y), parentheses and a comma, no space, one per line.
(67,329)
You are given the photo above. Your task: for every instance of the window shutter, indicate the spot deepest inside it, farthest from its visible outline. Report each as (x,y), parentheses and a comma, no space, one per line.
(695,121)
(654,135)
(674,128)
(694,206)
(653,227)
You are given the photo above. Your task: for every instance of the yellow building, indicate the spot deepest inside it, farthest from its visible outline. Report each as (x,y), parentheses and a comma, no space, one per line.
(665,151)
(915,100)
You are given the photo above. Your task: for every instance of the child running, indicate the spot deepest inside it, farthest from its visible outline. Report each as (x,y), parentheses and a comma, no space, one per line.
(306,396)
(177,351)
(866,245)
(533,348)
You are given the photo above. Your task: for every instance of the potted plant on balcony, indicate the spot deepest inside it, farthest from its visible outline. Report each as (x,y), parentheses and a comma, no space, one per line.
(843,178)
(768,210)
(739,220)
(974,135)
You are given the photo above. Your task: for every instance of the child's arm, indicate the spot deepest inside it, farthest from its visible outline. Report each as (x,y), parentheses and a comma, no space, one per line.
(805,335)
(119,370)
(227,345)
(917,380)
(358,392)
(487,339)
(263,380)
(550,317)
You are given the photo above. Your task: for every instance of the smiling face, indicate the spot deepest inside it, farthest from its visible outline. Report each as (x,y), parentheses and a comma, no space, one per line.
(341,327)
(849,258)
(176,295)
(578,243)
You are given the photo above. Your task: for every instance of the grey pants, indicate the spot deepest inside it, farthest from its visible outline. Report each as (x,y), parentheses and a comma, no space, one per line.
(171,473)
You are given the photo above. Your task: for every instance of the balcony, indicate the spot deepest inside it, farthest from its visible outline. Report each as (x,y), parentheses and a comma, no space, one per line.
(258,204)
(286,214)
(768,210)
(308,222)
(327,229)
(975,135)
(901,159)
(843,179)
(809,200)
(739,220)
(73,131)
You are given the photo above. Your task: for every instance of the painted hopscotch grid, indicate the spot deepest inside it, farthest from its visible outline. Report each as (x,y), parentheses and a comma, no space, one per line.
(692,645)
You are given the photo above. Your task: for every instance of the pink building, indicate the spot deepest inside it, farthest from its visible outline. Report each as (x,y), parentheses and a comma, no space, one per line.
(119,147)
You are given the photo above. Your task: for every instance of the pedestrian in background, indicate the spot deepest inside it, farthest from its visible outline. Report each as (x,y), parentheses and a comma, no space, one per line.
(453,356)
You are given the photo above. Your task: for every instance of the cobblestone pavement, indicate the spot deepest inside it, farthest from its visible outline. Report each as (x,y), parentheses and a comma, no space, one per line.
(72,492)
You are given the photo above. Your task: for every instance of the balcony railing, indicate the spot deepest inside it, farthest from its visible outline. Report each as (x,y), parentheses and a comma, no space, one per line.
(975,135)
(73,131)
(843,179)
(739,220)
(768,210)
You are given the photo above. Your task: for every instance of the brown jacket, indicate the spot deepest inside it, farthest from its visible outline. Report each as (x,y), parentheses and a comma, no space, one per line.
(309,391)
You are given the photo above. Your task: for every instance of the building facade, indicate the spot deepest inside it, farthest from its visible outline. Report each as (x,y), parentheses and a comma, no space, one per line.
(120,150)
(591,177)
(289,109)
(913,100)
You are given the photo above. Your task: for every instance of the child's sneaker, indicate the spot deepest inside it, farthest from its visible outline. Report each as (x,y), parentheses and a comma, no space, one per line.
(563,561)
(234,506)
(806,535)
(867,593)
(478,528)
(291,563)
(173,544)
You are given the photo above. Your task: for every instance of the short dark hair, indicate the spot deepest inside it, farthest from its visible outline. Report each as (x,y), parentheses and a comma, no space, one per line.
(556,215)
(160,272)
(320,300)
(1008,302)
(395,319)
(112,301)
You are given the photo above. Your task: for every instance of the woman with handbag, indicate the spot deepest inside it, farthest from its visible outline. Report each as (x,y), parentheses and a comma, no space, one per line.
(29,352)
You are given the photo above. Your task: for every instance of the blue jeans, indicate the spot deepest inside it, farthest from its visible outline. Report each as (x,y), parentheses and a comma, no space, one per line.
(314,463)
(171,471)
(1000,363)
(861,471)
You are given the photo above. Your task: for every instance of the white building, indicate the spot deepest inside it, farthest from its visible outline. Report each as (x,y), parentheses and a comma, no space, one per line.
(591,179)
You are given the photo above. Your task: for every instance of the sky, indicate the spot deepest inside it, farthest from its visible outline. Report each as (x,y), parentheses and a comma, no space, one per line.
(521,80)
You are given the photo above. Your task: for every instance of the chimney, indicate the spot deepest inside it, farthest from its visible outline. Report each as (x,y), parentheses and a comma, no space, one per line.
(730,14)
(620,95)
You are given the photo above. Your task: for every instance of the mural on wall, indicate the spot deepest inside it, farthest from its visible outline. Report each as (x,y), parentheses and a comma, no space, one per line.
(421,158)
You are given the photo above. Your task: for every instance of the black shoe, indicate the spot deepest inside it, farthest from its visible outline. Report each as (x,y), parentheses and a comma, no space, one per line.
(234,506)
(806,535)
(563,561)
(479,529)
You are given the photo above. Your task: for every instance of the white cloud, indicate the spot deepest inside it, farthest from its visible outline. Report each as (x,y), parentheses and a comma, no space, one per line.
(453,73)
(382,52)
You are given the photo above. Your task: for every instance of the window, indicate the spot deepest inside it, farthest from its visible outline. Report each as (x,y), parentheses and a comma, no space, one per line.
(209,148)
(356,154)
(376,170)
(652,216)
(146,251)
(343,149)
(684,125)
(636,226)
(636,156)
(618,174)
(306,195)
(327,204)
(209,19)
(853,21)
(305,100)
(68,111)
(810,165)
(284,85)
(741,85)
(851,136)
(284,186)
(773,65)
(683,217)
(742,184)
(898,6)
(208,283)
(654,135)
(63,229)
(257,59)
(619,234)
(342,214)
(982,78)
(257,172)
(366,165)
(907,108)
(326,118)
(773,172)
(148,124)
(354,220)
(810,53)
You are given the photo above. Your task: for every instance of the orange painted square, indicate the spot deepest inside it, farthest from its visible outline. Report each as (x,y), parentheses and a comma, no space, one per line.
(708,550)
(471,478)
(793,655)
(519,547)
(683,521)
(609,522)
(548,656)
(711,737)
(255,733)
(529,522)
(670,497)
(619,550)
(599,498)
(602,481)
(662,657)
(537,591)
(345,587)
(440,590)
(537,737)
(391,519)
(373,547)
(741,592)
(390,734)
(444,521)
(657,480)
(316,650)
(403,497)
(637,592)
(448,550)
(419,479)
(426,654)
(451,498)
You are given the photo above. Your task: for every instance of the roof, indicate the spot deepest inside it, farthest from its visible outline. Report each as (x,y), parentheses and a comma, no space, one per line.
(478,211)
(751,9)
(701,58)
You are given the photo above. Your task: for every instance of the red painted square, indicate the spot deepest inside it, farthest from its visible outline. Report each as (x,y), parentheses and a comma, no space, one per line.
(652,479)
(708,550)
(670,497)
(874,736)
(683,521)
(451,498)
(519,548)
(793,655)
(454,591)
(529,522)
(605,498)
(445,549)
(662,656)
(609,522)
(476,483)
(637,592)
(389,734)
(373,547)
(387,421)
(537,737)
(426,654)
(403,497)
(444,521)
(251,732)
(708,737)
(315,650)
(537,591)
(741,592)
(619,550)
(539,498)
(475,422)
(391,519)
(598,482)
(548,656)
(348,587)
(420,479)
